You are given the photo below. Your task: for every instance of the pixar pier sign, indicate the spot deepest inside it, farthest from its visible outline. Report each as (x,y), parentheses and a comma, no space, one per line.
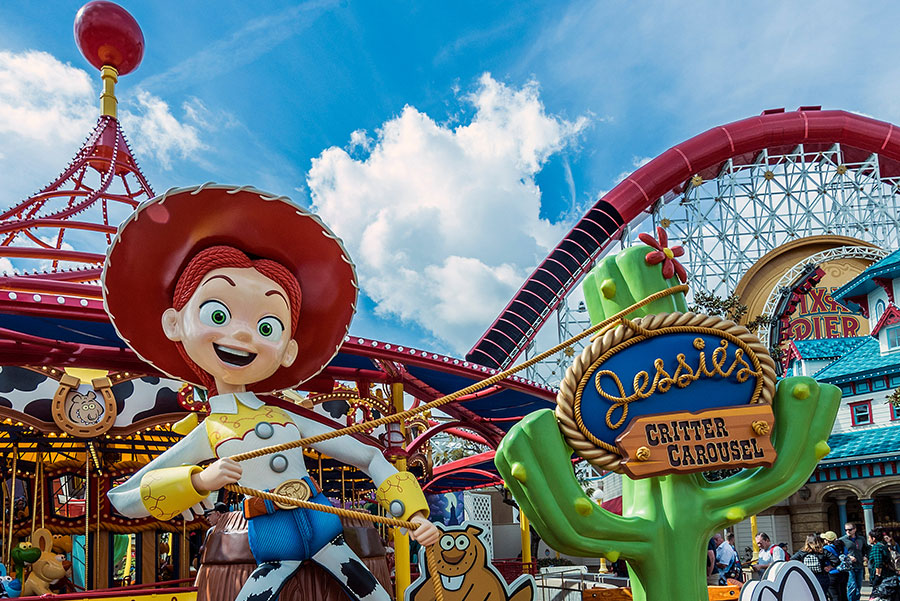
(820,316)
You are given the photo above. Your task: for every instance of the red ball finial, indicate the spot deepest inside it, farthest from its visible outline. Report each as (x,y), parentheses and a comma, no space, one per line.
(107,34)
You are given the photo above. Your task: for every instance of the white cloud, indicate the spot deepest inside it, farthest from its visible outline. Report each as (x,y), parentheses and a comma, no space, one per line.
(360,139)
(443,223)
(48,108)
(157,133)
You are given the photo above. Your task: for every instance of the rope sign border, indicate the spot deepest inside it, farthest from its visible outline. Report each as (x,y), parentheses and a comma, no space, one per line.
(568,400)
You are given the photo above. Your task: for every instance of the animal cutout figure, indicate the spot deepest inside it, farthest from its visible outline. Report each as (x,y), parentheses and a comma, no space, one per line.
(9,586)
(784,581)
(46,569)
(84,408)
(24,553)
(466,571)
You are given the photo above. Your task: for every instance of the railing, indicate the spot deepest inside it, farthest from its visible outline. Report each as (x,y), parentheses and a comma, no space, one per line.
(568,583)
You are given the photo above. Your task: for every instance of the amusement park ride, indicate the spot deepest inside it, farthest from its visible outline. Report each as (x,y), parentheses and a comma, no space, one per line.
(84,405)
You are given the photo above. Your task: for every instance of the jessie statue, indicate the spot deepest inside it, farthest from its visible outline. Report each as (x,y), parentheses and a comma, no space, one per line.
(242,293)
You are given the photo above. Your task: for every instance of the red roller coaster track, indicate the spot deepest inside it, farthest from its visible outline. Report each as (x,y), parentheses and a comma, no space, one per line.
(703,155)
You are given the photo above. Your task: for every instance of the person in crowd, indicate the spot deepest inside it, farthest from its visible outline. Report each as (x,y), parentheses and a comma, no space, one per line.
(737,573)
(857,548)
(712,576)
(881,565)
(890,539)
(726,558)
(818,560)
(840,573)
(768,553)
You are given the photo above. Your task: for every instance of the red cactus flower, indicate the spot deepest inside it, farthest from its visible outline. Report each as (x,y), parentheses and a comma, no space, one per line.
(664,254)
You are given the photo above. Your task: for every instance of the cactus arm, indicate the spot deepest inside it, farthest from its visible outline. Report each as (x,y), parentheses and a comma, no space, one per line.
(621,280)
(804,415)
(535,464)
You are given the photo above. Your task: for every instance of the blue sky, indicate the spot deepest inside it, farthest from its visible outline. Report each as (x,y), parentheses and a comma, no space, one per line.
(450,144)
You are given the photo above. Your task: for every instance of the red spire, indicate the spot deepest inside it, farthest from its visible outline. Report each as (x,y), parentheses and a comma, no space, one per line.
(73,218)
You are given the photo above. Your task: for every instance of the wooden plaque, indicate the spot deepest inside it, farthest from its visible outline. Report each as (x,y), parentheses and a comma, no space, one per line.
(699,441)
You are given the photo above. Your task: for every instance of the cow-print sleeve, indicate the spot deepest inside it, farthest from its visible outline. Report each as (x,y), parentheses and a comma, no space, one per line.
(190,450)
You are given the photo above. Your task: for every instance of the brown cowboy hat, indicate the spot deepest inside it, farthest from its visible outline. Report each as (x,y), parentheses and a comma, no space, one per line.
(155,243)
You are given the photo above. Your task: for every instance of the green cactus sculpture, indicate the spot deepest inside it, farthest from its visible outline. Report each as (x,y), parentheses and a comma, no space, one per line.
(666,521)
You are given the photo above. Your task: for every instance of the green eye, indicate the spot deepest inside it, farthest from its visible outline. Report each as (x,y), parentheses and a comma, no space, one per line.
(214,313)
(270,328)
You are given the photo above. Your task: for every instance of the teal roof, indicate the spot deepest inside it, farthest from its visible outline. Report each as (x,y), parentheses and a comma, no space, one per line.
(888,267)
(863,360)
(827,348)
(861,443)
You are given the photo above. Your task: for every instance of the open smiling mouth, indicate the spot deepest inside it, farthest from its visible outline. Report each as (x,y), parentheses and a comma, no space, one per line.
(233,356)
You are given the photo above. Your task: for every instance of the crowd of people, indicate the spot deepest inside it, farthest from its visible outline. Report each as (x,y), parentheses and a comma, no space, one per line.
(838,563)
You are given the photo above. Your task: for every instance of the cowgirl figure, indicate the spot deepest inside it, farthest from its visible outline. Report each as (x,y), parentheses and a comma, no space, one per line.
(243,293)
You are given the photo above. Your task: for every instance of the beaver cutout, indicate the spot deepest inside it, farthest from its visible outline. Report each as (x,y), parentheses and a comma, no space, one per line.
(466,572)
(84,408)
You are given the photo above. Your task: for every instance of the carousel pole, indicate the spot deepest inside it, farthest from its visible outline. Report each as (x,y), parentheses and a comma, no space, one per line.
(43,495)
(37,484)
(12,500)
(3,519)
(87,513)
(105,545)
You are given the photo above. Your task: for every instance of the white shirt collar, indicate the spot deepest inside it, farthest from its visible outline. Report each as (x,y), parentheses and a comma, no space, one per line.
(227,403)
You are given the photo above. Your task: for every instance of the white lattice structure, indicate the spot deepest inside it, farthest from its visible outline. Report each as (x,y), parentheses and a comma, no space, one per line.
(728,223)
(478,511)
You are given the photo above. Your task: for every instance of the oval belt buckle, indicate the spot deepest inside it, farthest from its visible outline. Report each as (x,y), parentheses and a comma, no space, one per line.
(295,489)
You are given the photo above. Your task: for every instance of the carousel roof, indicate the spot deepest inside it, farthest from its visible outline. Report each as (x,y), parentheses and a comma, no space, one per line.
(55,334)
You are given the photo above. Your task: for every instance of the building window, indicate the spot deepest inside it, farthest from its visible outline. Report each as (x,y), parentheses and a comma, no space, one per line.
(893,336)
(879,309)
(895,411)
(861,413)
(895,381)
(878,384)
(847,390)
(863,386)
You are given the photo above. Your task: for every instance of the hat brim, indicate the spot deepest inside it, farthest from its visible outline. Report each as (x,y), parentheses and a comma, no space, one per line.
(153,246)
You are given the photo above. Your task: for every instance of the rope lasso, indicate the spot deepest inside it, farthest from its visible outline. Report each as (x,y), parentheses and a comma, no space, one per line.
(341,512)
(403,415)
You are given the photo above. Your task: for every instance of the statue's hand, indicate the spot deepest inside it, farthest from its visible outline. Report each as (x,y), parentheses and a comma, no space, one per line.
(218,474)
(426,534)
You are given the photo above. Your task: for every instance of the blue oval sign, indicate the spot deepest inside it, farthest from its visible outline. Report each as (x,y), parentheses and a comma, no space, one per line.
(663,372)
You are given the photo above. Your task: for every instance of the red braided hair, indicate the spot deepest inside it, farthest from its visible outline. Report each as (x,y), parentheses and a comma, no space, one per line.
(219,257)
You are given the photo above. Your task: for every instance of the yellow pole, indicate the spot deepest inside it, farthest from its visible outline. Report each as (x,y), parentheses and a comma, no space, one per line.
(401,541)
(526,542)
(108,102)
(754,530)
